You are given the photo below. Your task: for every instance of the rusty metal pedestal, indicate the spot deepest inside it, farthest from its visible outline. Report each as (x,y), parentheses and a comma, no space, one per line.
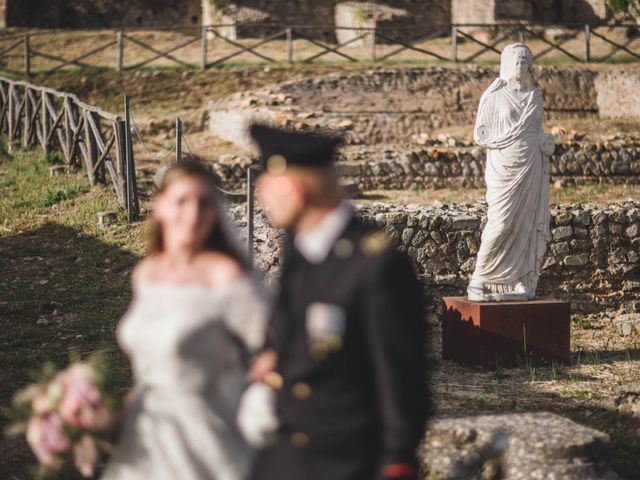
(492,334)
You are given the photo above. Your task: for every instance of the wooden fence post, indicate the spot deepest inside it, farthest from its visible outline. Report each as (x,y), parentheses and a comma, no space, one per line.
(204,48)
(44,117)
(100,173)
(10,118)
(587,43)
(90,142)
(454,43)
(27,56)
(178,140)
(120,50)
(373,44)
(26,130)
(289,45)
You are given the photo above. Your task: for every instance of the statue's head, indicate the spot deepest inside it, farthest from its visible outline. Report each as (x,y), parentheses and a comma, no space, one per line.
(515,62)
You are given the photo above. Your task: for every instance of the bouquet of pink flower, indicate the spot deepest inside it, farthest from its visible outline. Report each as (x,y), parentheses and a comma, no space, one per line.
(70,416)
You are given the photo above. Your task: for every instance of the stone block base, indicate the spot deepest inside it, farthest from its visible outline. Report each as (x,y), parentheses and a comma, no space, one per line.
(494,334)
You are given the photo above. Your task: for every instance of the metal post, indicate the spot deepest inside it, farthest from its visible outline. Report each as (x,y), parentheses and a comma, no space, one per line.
(127,156)
(521,35)
(454,43)
(120,49)
(178,140)
(587,43)
(203,48)
(27,56)
(250,212)
(289,45)
(373,44)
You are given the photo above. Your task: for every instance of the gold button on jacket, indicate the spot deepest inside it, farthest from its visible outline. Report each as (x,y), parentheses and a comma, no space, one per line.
(301,391)
(300,440)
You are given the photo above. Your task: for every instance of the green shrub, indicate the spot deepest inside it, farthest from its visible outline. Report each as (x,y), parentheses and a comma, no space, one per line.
(61,194)
(53,158)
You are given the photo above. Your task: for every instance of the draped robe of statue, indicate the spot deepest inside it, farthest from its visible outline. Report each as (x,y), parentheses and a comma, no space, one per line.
(514,239)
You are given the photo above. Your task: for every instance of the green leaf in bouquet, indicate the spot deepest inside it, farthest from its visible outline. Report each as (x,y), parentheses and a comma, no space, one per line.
(16,429)
(105,378)
(46,373)
(72,432)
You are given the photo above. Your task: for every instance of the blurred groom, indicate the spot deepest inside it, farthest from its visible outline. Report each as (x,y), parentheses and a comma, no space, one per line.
(346,352)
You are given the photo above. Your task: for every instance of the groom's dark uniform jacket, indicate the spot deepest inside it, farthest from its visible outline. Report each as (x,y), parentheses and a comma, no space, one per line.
(349,334)
(351,376)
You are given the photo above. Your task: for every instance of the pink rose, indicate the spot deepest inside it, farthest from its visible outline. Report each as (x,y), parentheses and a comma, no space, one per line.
(46,437)
(81,403)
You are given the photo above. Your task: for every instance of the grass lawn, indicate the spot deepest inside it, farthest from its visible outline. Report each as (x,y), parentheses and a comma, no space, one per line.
(64,281)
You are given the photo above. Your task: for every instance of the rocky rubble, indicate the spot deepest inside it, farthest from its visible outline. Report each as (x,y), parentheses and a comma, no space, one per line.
(628,401)
(512,447)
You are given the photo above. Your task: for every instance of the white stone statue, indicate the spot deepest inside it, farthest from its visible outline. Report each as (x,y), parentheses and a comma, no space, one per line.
(509,125)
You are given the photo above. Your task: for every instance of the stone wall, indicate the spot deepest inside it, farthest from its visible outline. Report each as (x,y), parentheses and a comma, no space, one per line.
(593,259)
(473,11)
(315,13)
(424,16)
(373,168)
(102,13)
(393,167)
(618,93)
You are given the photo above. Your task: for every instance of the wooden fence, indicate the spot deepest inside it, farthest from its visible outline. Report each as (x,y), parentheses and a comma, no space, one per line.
(212,45)
(32,116)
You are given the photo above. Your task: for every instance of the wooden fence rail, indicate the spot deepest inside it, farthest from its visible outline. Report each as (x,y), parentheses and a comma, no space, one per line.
(32,115)
(212,45)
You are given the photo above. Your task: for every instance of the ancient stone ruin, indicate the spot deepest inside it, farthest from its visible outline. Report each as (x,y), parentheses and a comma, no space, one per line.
(426,15)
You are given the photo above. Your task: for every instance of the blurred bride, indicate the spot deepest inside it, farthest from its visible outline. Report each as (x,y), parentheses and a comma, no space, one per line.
(196,318)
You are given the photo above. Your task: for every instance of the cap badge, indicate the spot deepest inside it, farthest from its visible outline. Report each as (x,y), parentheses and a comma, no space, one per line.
(276,164)
(374,243)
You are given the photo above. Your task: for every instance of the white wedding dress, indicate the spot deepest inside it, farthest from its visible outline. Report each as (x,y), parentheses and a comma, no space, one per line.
(189,345)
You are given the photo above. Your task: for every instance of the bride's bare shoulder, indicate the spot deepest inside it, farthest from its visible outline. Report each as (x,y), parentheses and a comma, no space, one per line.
(218,268)
(145,269)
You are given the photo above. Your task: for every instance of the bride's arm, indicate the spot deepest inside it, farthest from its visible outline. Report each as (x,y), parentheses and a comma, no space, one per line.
(247,313)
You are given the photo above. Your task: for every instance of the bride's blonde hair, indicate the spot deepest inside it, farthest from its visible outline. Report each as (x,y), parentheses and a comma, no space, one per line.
(221,238)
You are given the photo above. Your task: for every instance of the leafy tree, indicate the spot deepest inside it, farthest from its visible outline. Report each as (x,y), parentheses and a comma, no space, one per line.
(630,6)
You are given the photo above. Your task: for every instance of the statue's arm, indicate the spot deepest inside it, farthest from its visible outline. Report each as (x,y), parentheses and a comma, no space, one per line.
(547,142)
(482,129)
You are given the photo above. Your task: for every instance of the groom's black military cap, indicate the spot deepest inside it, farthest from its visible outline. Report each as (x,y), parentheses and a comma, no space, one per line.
(280,148)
